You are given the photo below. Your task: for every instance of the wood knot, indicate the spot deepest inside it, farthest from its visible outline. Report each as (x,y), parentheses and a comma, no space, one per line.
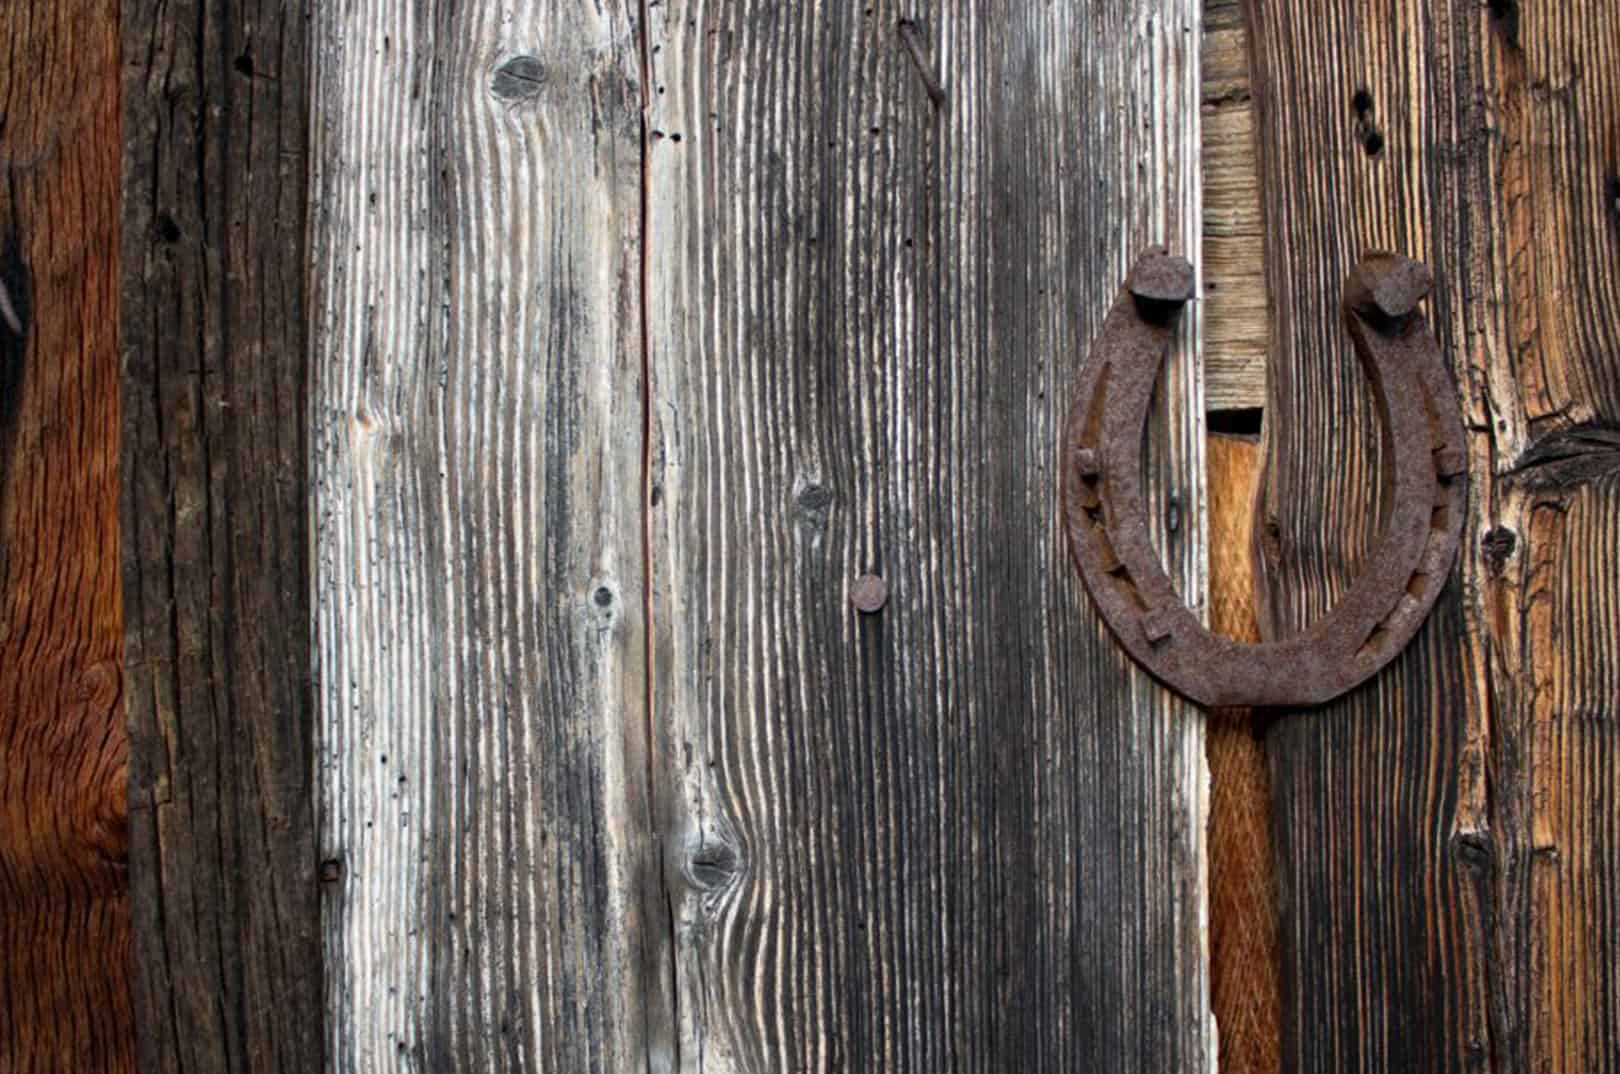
(712,865)
(1497,546)
(519,78)
(101,686)
(1473,850)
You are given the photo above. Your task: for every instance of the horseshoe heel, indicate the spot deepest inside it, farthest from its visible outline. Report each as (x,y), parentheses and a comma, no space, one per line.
(1405,570)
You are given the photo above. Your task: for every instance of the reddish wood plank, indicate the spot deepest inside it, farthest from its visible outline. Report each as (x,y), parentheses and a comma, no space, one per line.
(64,916)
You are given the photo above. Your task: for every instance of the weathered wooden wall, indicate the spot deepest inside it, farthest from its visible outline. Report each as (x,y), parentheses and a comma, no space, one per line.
(959,832)
(1447,834)
(481,606)
(64,908)
(636,335)
(635,344)
(216,536)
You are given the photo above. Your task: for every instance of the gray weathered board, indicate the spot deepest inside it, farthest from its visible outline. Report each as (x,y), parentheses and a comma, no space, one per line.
(635,334)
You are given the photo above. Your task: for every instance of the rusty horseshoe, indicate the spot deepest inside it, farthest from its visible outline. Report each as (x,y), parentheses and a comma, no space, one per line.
(1407,566)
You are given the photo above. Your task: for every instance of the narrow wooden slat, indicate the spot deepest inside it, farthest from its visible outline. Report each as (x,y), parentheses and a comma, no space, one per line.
(216,536)
(960,832)
(1236,325)
(1449,863)
(64,906)
(1243,956)
(479,586)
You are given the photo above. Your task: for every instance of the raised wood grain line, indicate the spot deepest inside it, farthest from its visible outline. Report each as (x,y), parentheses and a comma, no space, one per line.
(64,840)
(216,536)
(479,589)
(1446,862)
(961,832)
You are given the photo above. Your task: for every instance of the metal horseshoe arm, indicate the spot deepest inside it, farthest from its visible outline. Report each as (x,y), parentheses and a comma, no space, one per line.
(1407,567)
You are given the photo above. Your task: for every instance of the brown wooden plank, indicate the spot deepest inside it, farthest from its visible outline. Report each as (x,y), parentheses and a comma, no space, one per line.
(216,536)
(1449,869)
(960,832)
(1243,956)
(478,475)
(64,908)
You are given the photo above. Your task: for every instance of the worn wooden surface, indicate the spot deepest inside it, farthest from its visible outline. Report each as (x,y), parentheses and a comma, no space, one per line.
(961,832)
(1243,958)
(216,536)
(1236,322)
(1447,836)
(480,590)
(64,908)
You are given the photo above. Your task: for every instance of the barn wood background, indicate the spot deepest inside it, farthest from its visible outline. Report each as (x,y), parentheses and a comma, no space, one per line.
(1443,841)
(639,335)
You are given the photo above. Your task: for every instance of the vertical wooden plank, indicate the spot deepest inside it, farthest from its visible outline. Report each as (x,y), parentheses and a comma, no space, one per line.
(216,537)
(479,586)
(1244,963)
(64,906)
(1449,864)
(1237,324)
(960,832)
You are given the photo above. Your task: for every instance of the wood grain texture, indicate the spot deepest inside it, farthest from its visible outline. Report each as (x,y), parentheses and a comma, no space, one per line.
(216,536)
(64,908)
(962,832)
(477,456)
(1446,835)
(1244,961)
(1237,325)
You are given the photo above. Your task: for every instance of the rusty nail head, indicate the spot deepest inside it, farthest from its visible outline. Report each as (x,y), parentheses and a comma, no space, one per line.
(868,593)
(1161,277)
(1389,284)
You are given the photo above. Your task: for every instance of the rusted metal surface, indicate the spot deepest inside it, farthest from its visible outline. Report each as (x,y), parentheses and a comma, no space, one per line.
(1406,567)
(869,593)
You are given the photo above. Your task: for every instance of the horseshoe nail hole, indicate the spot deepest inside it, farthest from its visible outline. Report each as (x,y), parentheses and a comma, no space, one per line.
(1156,627)
(1373,142)
(1105,552)
(1416,584)
(1374,641)
(1362,101)
(1127,585)
(1440,517)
